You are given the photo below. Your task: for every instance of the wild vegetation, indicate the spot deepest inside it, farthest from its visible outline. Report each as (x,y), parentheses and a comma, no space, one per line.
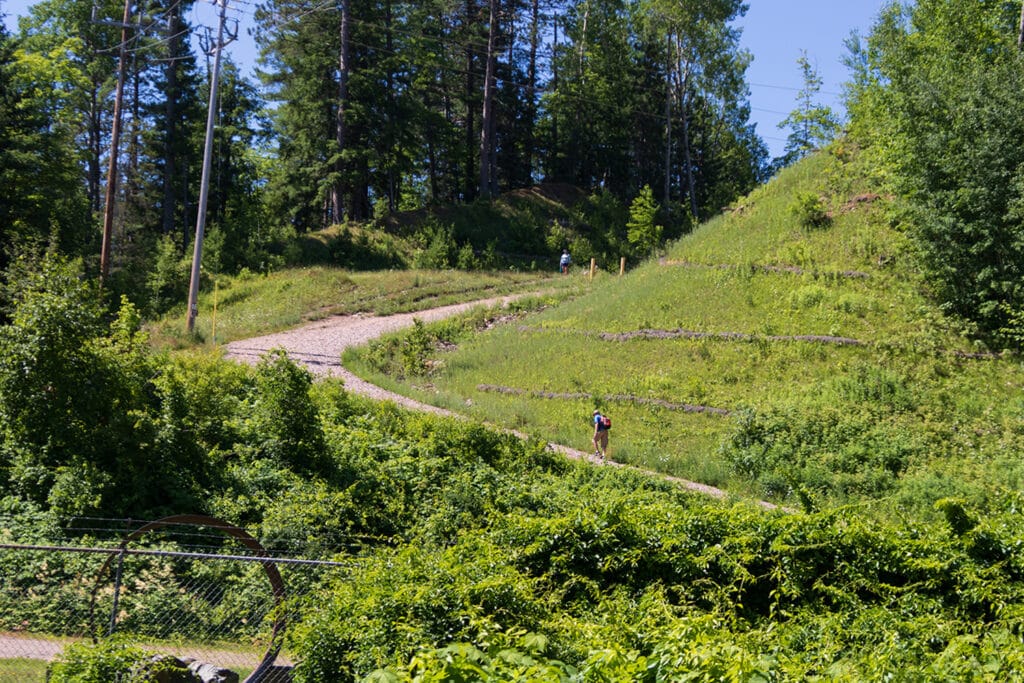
(842,340)
(773,357)
(483,556)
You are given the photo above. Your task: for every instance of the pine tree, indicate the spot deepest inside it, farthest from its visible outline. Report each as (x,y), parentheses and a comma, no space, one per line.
(812,124)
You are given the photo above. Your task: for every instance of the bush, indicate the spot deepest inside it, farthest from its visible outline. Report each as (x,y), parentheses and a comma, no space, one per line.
(76,400)
(168,280)
(283,422)
(109,661)
(832,451)
(439,249)
(809,211)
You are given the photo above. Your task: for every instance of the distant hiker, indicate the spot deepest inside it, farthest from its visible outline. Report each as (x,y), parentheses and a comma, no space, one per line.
(563,263)
(602,424)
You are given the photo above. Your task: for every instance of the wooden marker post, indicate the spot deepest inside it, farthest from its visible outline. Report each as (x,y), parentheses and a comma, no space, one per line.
(593,264)
(622,266)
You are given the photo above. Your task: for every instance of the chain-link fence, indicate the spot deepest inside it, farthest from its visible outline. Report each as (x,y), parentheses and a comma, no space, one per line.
(187,586)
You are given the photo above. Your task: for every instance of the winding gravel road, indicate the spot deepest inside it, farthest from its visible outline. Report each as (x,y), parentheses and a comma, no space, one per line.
(318,345)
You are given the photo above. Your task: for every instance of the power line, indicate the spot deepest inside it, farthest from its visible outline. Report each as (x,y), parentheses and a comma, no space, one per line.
(786,87)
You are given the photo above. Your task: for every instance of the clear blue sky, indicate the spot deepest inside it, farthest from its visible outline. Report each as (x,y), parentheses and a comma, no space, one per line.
(775,31)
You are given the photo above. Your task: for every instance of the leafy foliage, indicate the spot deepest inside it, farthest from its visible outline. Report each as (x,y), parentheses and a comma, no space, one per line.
(809,210)
(114,661)
(43,204)
(934,98)
(812,125)
(473,553)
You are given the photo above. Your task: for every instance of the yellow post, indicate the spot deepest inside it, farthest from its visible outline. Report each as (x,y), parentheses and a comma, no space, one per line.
(593,264)
(622,266)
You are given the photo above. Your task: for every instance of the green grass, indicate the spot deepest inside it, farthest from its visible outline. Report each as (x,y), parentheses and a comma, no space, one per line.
(901,417)
(22,670)
(253,305)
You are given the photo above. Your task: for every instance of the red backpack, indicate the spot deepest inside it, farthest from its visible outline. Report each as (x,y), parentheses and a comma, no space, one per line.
(606,422)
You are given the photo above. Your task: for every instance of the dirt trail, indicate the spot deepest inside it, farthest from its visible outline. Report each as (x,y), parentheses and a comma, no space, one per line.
(48,648)
(318,345)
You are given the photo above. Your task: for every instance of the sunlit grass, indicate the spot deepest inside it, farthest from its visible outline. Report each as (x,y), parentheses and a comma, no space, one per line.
(247,306)
(755,275)
(18,670)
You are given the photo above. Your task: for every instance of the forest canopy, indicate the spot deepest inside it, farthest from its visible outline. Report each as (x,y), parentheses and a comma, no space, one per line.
(361,110)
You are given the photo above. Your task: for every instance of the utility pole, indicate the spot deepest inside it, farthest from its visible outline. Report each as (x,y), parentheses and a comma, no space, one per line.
(115,135)
(1020,31)
(204,186)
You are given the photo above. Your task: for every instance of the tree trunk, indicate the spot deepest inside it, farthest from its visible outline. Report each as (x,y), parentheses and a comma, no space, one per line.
(170,196)
(553,163)
(683,75)
(667,192)
(337,194)
(487,119)
(93,163)
(1020,29)
(392,111)
(470,175)
(531,88)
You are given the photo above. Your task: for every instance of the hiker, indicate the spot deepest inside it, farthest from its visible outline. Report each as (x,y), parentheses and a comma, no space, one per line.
(563,263)
(601,426)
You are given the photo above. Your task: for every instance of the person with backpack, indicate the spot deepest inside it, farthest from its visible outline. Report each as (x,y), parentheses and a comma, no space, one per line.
(602,423)
(563,263)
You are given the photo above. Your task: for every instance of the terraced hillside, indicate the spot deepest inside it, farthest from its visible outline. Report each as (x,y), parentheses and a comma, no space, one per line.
(786,349)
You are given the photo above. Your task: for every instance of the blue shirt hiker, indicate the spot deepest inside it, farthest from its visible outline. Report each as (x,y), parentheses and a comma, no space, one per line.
(602,423)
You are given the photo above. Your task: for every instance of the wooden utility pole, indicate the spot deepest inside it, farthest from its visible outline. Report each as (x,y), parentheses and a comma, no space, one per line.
(337,192)
(115,135)
(204,186)
(1020,30)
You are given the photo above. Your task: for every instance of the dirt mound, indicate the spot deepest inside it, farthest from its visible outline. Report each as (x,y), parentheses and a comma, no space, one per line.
(560,193)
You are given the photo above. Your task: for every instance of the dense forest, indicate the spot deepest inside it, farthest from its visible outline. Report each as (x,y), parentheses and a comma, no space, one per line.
(362,109)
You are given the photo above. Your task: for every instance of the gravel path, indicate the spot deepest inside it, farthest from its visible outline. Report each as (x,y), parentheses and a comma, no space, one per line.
(318,345)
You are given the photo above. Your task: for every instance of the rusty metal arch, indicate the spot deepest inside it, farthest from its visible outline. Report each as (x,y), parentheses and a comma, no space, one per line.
(269,568)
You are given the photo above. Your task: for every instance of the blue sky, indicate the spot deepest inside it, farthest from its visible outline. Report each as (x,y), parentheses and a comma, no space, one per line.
(775,31)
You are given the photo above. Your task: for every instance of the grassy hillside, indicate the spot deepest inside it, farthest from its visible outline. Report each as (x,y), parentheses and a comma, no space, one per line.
(785,349)
(250,305)
(402,262)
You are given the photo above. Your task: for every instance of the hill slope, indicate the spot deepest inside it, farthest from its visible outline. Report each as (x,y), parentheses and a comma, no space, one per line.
(763,354)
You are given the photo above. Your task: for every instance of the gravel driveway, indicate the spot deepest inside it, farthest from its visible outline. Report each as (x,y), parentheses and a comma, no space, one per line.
(318,345)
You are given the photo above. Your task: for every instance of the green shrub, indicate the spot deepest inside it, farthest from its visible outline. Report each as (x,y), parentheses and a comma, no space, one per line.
(810,211)
(439,249)
(829,450)
(642,231)
(168,279)
(106,662)
(512,657)
(283,423)
(466,258)
(75,396)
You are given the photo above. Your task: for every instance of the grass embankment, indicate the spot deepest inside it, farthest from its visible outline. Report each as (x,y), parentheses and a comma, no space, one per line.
(835,378)
(253,305)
